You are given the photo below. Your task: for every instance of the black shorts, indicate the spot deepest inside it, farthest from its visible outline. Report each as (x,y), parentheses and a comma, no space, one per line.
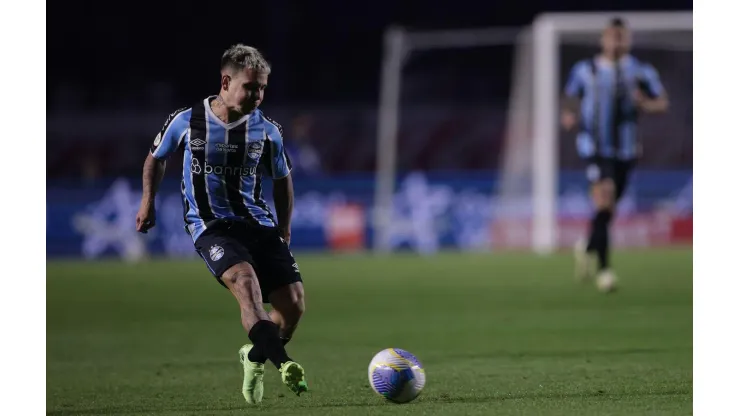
(226,243)
(619,171)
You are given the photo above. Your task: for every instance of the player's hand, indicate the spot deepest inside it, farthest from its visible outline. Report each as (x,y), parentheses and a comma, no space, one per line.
(568,120)
(285,234)
(145,219)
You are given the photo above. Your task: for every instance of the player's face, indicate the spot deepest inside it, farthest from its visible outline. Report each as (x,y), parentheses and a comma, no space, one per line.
(247,89)
(615,41)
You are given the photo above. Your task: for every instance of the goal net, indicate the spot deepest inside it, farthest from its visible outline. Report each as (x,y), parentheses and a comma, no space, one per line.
(446,115)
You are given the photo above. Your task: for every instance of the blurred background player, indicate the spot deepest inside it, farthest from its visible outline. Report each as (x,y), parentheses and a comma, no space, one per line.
(603,97)
(228,143)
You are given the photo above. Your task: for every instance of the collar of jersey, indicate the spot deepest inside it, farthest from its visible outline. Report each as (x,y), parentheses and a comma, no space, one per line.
(220,122)
(608,64)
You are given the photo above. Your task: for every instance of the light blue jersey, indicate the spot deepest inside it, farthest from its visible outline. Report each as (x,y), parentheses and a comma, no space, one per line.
(608,115)
(223,164)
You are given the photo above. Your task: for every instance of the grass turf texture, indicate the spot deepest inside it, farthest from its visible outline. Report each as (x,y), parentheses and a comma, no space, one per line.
(498,334)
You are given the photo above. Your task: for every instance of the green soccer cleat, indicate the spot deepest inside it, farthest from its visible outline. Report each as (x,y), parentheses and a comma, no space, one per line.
(294,377)
(253,387)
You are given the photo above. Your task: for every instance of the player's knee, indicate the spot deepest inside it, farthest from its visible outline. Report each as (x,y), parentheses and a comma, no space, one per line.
(240,277)
(245,280)
(603,195)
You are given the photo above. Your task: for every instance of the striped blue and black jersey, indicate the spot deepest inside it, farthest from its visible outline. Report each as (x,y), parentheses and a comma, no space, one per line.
(223,164)
(608,114)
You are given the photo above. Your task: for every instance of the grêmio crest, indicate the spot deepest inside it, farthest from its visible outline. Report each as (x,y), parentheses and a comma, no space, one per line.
(254,149)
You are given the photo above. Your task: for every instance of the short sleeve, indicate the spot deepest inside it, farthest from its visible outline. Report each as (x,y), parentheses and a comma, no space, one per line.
(279,162)
(574,86)
(169,138)
(650,81)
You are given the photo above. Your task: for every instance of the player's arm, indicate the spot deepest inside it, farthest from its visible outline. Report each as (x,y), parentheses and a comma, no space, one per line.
(152,177)
(283,198)
(650,95)
(571,101)
(168,140)
(282,194)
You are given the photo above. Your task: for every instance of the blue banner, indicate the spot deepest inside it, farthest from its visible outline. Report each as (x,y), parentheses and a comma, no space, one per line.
(431,210)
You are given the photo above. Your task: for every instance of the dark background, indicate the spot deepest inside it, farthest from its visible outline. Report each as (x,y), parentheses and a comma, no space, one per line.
(138,61)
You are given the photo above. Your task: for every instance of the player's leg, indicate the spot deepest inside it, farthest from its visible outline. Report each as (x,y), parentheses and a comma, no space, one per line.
(230,262)
(287,309)
(606,279)
(288,306)
(601,175)
(622,172)
(242,281)
(282,285)
(604,198)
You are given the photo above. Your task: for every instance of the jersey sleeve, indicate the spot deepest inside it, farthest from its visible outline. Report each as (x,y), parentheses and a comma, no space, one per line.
(650,81)
(574,86)
(279,162)
(170,137)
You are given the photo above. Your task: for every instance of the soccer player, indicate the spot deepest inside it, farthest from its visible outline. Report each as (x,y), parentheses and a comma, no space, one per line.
(228,145)
(603,97)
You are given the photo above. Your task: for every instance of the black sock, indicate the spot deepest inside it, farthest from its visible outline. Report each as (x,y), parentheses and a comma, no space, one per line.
(256,355)
(599,241)
(264,334)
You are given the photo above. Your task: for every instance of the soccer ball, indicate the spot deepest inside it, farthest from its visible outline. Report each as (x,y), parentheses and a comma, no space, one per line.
(606,281)
(396,375)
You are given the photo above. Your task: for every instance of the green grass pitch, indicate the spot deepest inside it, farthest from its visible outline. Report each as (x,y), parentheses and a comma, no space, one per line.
(503,334)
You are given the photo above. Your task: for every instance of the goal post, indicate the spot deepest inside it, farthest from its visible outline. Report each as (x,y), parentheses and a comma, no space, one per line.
(533,114)
(398,43)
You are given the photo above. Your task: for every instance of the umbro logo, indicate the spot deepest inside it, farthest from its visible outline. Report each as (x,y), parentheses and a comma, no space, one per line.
(197,143)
